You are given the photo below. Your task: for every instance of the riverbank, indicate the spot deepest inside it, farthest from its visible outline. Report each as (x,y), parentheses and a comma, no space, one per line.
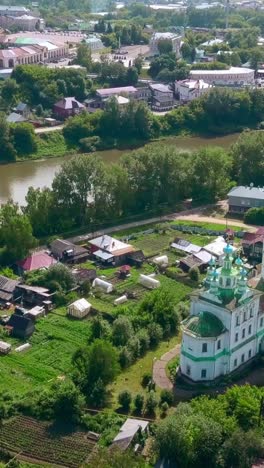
(16,178)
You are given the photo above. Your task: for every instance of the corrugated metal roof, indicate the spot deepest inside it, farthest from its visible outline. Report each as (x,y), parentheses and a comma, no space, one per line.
(241,191)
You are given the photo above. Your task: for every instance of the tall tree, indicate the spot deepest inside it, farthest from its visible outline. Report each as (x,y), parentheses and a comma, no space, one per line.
(211,174)
(15,233)
(8,152)
(75,187)
(248,157)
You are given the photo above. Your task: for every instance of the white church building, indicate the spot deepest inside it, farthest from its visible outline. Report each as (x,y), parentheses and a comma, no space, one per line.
(225,328)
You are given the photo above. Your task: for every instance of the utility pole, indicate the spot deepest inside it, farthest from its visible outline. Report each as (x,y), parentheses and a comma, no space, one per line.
(227,13)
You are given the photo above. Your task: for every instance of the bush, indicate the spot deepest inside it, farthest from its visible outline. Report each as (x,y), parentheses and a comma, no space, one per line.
(124,399)
(151,403)
(166,396)
(164,407)
(255,216)
(134,347)
(155,334)
(122,331)
(147,377)
(125,357)
(144,340)
(183,310)
(194,274)
(139,403)
(90,144)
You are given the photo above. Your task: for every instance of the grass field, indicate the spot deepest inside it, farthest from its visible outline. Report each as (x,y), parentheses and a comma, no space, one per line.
(156,243)
(130,379)
(60,445)
(55,340)
(212,226)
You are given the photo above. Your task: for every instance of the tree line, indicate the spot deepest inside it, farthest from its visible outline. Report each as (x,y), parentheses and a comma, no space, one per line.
(88,192)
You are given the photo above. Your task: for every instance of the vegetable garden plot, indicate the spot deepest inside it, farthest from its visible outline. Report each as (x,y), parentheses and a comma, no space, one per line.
(43,441)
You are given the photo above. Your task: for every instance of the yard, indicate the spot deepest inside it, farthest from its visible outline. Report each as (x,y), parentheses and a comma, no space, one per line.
(130,379)
(57,336)
(55,340)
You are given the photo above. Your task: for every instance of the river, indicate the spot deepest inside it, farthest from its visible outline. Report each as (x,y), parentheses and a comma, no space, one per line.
(15,179)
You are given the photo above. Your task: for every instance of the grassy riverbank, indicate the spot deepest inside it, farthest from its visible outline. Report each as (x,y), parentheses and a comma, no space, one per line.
(53,145)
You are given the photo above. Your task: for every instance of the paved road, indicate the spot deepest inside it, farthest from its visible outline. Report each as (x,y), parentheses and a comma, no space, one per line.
(48,129)
(159,369)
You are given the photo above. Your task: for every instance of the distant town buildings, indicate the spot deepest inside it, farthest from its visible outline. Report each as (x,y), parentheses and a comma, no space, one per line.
(234,76)
(162,97)
(67,107)
(174,38)
(187,90)
(20,17)
(94,43)
(30,50)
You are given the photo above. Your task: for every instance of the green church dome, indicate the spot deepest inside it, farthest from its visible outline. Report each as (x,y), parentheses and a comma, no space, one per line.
(205,325)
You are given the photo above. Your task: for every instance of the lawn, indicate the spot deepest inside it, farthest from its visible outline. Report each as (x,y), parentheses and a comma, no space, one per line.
(130,379)
(211,226)
(55,340)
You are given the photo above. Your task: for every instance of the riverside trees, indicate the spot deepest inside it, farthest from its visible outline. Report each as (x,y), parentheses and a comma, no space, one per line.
(87,192)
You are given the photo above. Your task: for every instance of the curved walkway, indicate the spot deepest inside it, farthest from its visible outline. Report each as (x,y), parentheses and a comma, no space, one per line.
(159,369)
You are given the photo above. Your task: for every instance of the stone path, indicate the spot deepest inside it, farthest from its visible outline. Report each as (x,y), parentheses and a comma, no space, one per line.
(159,369)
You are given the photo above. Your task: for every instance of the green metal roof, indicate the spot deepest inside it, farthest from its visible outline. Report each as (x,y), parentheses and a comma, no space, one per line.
(205,325)
(26,40)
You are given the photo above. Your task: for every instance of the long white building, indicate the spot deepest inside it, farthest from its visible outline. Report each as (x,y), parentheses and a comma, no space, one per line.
(225,328)
(234,76)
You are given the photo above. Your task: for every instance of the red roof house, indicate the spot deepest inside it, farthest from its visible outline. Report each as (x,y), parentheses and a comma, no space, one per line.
(36,261)
(67,107)
(252,244)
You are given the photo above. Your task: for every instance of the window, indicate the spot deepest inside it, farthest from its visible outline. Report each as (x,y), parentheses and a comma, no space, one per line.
(249,354)
(249,329)
(261,322)
(243,333)
(237,320)
(235,363)
(243,358)
(203,373)
(244,316)
(251,312)
(204,348)
(236,337)
(219,344)
(228,282)
(188,370)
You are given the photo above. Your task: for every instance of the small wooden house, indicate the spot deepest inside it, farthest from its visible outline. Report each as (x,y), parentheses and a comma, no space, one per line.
(21,326)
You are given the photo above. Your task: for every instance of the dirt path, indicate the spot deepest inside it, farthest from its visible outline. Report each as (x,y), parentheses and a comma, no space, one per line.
(195,214)
(159,369)
(48,129)
(199,217)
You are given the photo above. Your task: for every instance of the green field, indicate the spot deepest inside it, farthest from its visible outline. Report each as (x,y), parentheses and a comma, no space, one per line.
(55,340)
